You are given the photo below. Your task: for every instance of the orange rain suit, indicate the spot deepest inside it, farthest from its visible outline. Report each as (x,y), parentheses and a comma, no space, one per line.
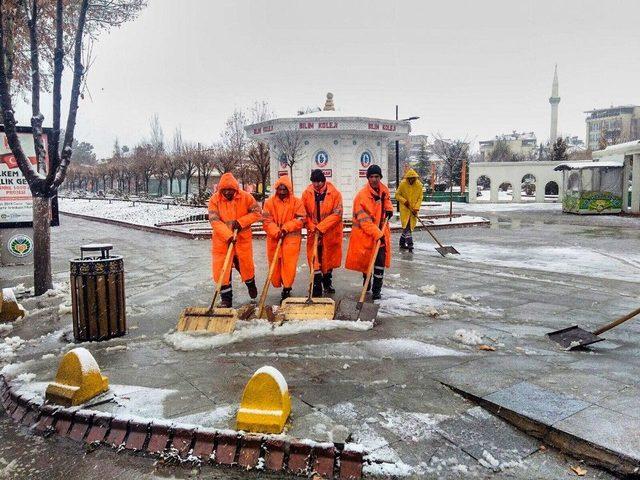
(368,212)
(286,215)
(222,212)
(329,225)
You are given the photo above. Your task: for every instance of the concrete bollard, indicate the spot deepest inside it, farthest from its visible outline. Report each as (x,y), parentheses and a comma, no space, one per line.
(266,402)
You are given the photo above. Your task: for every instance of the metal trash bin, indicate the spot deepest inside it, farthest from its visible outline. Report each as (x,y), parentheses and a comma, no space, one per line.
(97,294)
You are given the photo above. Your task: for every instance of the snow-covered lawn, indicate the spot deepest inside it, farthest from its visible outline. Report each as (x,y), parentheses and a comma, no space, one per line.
(148,214)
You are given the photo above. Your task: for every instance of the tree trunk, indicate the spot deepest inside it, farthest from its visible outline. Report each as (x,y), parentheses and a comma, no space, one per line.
(186,187)
(41,245)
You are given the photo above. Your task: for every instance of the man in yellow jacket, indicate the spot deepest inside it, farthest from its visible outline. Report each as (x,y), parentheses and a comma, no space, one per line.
(409,197)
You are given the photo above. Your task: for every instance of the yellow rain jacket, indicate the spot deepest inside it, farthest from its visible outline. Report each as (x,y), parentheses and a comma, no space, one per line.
(409,193)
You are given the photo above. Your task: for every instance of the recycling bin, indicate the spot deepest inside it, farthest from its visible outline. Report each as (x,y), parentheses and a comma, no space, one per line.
(97,294)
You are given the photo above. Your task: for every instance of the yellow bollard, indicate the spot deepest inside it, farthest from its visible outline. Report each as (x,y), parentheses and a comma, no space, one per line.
(10,309)
(78,379)
(266,403)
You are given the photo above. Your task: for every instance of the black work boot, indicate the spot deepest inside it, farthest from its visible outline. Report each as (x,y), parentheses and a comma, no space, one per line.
(326,282)
(377,283)
(251,286)
(403,243)
(410,244)
(317,285)
(286,293)
(226,296)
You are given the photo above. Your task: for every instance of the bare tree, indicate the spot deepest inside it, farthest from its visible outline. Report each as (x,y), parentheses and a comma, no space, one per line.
(188,165)
(205,161)
(45,179)
(453,153)
(261,112)
(290,145)
(260,159)
(226,160)
(144,163)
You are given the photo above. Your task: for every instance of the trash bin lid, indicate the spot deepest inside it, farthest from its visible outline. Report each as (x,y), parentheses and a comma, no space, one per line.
(103,248)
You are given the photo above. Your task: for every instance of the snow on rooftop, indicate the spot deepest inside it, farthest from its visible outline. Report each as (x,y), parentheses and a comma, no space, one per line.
(582,165)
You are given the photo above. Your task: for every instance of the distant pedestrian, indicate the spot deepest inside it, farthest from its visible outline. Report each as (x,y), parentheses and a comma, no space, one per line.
(409,197)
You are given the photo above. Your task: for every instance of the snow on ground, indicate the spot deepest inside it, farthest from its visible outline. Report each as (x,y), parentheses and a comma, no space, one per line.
(256,329)
(9,347)
(219,417)
(467,337)
(148,214)
(551,258)
(460,207)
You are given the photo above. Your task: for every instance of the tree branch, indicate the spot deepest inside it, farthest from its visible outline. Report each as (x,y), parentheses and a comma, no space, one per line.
(78,72)
(36,115)
(58,66)
(31,175)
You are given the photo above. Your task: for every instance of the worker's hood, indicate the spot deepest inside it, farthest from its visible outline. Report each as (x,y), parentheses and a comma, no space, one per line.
(228,181)
(284,180)
(411,173)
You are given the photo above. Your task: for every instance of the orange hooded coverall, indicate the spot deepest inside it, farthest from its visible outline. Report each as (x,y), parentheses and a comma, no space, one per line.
(328,222)
(222,212)
(367,216)
(287,215)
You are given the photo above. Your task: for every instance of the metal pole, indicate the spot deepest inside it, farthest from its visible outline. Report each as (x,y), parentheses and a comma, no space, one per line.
(397,163)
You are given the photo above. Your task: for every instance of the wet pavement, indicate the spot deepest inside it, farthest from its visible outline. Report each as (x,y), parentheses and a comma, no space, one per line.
(529,273)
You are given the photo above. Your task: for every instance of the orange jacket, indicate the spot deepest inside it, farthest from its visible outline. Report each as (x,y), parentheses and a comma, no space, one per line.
(367,217)
(329,226)
(243,208)
(287,215)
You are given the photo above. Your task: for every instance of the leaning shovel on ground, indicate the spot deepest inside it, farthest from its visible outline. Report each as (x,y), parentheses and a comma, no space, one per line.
(309,308)
(262,309)
(350,310)
(441,249)
(211,319)
(576,337)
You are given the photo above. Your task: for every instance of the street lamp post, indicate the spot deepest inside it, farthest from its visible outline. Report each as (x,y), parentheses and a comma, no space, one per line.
(398,154)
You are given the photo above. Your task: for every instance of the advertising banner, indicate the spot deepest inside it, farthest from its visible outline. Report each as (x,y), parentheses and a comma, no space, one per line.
(16,203)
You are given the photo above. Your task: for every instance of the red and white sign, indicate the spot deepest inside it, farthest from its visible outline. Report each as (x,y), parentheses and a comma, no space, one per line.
(282,173)
(362,173)
(327,172)
(16,202)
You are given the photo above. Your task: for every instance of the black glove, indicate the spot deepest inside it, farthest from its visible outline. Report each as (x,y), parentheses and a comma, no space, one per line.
(389,214)
(235,225)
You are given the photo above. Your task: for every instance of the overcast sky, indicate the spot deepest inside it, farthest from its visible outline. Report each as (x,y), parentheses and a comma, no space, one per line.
(467,68)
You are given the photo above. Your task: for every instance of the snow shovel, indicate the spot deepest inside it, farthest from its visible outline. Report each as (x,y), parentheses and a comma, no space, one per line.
(441,249)
(263,296)
(350,310)
(576,337)
(300,308)
(211,319)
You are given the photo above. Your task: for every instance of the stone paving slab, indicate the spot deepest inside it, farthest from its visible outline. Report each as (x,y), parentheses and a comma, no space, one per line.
(536,403)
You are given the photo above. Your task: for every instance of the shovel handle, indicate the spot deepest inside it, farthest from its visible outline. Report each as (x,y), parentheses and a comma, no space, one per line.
(223,274)
(312,264)
(265,289)
(424,225)
(372,263)
(617,322)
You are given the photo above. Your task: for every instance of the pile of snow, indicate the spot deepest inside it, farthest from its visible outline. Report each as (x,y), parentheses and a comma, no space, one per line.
(467,337)
(26,377)
(9,347)
(256,329)
(148,214)
(463,299)
(5,328)
(428,289)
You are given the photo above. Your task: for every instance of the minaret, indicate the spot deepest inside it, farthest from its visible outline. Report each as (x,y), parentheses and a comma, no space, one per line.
(554,100)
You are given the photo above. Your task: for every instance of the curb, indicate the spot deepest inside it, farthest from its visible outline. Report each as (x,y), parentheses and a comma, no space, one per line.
(178,444)
(616,462)
(207,235)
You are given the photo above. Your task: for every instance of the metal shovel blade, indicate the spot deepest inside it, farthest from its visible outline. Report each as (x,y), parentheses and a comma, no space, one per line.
(348,310)
(573,337)
(447,249)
